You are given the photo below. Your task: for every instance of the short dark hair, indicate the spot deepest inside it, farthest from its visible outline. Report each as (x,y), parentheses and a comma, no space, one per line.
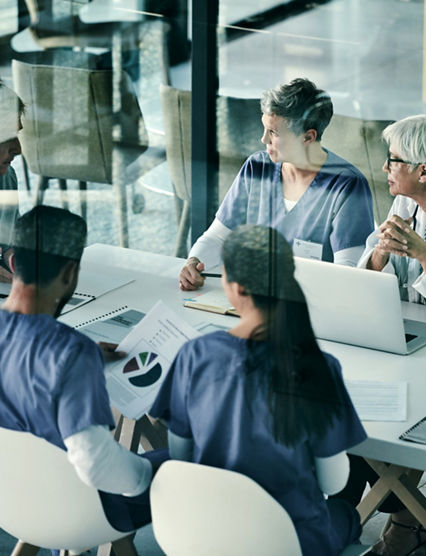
(301,103)
(45,239)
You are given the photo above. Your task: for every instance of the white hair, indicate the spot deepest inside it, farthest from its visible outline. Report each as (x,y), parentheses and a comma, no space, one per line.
(408,136)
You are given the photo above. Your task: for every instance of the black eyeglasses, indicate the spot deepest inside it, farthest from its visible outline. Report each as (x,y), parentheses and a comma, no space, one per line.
(390,159)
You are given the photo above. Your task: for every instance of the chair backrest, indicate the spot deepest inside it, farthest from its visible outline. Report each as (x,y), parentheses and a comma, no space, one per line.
(239,130)
(176,105)
(69,124)
(43,502)
(209,511)
(359,142)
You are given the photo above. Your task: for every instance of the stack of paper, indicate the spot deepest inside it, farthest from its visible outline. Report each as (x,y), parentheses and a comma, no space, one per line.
(379,401)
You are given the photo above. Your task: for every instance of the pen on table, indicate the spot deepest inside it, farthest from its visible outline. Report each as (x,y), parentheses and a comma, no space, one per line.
(210,275)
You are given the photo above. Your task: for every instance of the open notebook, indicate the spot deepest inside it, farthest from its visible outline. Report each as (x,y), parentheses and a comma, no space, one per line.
(213,302)
(416,433)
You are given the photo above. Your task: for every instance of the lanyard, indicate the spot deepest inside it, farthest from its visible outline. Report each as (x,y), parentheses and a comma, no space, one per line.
(415,221)
(414,217)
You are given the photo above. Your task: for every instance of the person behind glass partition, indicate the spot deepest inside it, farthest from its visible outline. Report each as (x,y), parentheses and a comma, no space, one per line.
(262,399)
(317,200)
(399,245)
(11,110)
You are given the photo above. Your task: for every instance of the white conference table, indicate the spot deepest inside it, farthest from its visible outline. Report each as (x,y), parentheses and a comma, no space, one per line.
(156,277)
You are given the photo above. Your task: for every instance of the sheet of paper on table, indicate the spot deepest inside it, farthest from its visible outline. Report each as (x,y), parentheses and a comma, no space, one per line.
(112,327)
(151,346)
(92,286)
(379,400)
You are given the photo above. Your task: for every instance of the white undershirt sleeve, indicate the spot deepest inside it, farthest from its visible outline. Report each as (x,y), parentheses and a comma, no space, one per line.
(179,447)
(349,256)
(332,473)
(103,463)
(420,284)
(362,263)
(208,247)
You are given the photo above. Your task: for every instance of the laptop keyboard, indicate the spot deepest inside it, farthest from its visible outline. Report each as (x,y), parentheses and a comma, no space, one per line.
(409,337)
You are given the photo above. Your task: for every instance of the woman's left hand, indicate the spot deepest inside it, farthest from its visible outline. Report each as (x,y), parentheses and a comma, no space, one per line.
(396,236)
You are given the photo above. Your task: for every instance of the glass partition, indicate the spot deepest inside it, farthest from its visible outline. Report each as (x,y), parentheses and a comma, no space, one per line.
(100,144)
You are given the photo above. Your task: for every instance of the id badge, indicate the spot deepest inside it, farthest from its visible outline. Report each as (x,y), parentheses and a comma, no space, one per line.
(307,249)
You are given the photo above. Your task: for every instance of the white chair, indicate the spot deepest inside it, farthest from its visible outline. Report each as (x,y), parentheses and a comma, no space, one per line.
(208,511)
(44,503)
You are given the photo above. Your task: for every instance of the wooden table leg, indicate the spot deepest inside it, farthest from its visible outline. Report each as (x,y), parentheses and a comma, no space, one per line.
(150,433)
(369,504)
(153,434)
(402,481)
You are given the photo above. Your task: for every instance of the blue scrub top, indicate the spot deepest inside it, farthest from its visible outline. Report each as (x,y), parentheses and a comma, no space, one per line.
(335,211)
(205,398)
(52,381)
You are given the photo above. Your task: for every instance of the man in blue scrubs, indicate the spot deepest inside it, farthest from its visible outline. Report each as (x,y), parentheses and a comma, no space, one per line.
(52,381)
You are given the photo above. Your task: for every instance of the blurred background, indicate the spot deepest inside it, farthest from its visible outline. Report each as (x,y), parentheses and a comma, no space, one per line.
(139,113)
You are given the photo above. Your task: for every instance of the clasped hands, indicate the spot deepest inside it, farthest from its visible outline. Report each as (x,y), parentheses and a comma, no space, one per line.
(397,236)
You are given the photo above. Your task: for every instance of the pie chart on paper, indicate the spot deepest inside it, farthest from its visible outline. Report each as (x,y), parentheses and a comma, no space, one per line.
(150,369)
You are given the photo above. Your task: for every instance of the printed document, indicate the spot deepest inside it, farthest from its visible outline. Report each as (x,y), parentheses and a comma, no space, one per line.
(91,286)
(379,401)
(112,329)
(151,346)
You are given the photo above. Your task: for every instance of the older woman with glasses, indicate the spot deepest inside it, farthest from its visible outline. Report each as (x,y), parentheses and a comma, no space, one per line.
(399,246)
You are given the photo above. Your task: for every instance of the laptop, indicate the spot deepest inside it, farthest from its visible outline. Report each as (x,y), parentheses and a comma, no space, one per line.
(358,307)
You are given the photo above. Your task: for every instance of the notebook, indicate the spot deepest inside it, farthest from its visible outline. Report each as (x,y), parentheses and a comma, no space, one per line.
(416,433)
(359,307)
(214,302)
